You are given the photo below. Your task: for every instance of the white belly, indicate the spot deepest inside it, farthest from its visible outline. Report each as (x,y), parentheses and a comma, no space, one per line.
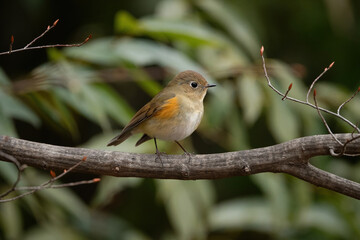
(174,129)
(187,127)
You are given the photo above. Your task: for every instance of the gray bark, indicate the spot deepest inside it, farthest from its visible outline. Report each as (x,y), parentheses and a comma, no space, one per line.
(291,157)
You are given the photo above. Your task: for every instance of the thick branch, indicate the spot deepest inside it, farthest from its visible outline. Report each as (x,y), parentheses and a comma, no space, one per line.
(290,157)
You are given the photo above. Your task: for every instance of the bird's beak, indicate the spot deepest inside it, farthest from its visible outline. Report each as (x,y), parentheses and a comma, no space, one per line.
(210,85)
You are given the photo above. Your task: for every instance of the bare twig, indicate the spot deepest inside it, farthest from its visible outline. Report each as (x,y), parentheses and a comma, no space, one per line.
(324,121)
(45,185)
(41,35)
(307,103)
(30,47)
(316,79)
(319,109)
(348,100)
(19,170)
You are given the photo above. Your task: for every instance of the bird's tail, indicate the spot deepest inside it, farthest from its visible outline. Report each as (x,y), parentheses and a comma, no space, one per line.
(119,138)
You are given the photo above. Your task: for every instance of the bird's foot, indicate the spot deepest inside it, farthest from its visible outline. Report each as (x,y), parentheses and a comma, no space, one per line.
(158,157)
(189,156)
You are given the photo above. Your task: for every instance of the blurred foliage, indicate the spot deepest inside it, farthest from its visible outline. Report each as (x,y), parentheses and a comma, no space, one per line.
(81,95)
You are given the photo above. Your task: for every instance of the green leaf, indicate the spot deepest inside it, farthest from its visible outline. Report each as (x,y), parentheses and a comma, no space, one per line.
(186,205)
(165,29)
(139,52)
(325,218)
(110,186)
(75,101)
(239,214)
(11,220)
(150,86)
(4,80)
(91,95)
(52,230)
(175,9)
(232,23)
(250,97)
(97,51)
(6,125)
(238,137)
(8,172)
(220,103)
(189,32)
(53,111)
(274,187)
(126,23)
(113,104)
(282,121)
(10,107)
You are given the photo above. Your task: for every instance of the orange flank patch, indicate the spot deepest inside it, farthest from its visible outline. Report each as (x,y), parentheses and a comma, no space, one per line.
(169,109)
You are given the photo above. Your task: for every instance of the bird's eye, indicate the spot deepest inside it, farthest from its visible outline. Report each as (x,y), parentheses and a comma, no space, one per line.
(193,84)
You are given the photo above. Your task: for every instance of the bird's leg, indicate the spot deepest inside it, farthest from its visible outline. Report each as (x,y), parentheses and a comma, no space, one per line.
(186,152)
(158,153)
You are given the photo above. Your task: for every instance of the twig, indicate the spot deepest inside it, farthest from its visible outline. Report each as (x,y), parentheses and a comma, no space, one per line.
(324,121)
(41,35)
(343,104)
(307,103)
(71,184)
(316,79)
(45,185)
(29,47)
(319,109)
(19,170)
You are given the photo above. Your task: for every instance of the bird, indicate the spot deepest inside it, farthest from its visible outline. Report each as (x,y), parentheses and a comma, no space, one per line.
(171,115)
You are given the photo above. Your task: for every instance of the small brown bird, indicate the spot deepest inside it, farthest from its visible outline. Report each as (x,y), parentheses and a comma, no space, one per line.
(173,114)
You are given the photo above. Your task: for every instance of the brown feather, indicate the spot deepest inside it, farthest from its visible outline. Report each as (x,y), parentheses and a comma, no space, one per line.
(142,115)
(143,139)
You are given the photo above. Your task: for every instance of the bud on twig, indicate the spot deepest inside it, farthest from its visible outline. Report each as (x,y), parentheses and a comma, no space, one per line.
(56,21)
(96,180)
(53,174)
(287,92)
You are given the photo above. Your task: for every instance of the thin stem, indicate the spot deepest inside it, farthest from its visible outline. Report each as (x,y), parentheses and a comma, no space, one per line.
(42,34)
(28,46)
(316,79)
(303,102)
(19,170)
(324,121)
(45,185)
(348,100)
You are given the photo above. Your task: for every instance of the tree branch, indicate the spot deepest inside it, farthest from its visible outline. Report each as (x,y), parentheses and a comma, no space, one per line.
(291,157)
(30,47)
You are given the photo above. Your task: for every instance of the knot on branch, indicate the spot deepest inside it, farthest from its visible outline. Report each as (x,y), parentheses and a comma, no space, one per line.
(184,171)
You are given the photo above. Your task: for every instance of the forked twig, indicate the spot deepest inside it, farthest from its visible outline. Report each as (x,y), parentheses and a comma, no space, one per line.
(315,105)
(350,98)
(30,47)
(45,185)
(316,79)
(19,169)
(324,121)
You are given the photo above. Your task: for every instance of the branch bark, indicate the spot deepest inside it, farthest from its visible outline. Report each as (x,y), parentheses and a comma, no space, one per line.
(291,157)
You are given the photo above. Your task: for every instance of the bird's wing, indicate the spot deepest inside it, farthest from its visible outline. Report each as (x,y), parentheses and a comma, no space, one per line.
(142,115)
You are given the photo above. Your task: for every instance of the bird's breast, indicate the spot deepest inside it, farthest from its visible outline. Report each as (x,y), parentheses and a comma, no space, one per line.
(177,122)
